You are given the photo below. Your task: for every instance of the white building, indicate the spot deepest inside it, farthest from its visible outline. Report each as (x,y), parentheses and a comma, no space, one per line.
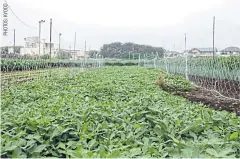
(32,47)
(74,55)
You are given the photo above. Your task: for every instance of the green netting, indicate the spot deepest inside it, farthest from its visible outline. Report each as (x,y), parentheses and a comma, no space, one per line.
(217,73)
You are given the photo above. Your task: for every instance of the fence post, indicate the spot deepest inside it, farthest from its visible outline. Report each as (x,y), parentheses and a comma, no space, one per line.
(139,59)
(186,60)
(144,60)
(186,66)
(165,63)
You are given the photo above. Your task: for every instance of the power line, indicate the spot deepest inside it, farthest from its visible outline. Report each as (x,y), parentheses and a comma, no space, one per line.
(19,18)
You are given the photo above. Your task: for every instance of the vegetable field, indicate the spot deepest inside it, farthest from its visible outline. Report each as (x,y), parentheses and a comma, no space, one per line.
(112,112)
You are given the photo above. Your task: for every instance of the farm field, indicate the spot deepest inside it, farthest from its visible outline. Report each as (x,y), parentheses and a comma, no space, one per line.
(112,112)
(9,79)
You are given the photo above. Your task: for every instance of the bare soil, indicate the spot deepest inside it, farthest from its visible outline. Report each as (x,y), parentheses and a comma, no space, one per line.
(228,88)
(219,94)
(211,99)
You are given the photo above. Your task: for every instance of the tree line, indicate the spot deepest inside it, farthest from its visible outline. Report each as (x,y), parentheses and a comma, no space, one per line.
(128,50)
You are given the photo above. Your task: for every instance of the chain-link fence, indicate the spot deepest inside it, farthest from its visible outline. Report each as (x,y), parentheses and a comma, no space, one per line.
(218,73)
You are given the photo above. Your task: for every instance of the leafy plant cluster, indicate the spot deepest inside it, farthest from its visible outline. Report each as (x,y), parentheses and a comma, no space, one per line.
(173,82)
(21,65)
(111,112)
(121,62)
(8,65)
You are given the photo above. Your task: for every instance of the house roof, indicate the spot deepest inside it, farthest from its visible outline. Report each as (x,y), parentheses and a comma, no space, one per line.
(232,49)
(174,52)
(209,49)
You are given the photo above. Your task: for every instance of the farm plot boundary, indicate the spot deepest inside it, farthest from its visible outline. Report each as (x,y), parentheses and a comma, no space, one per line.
(197,94)
(221,74)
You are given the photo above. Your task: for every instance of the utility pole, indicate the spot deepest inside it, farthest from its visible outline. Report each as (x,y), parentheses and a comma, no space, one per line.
(74,46)
(40,22)
(59,56)
(185,42)
(213,36)
(14,44)
(50,38)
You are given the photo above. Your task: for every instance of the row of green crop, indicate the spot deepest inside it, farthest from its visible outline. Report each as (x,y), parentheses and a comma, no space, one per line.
(112,112)
(121,62)
(20,65)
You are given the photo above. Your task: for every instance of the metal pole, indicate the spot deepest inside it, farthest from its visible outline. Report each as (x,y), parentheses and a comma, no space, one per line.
(69,51)
(186,60)
(185,42)
(41,21)
(85,47)
(139,59)
(213,36)
(133,52)
(50,38)
(44,46)
(59,56)
(14,42)
(39,36)
(74,46)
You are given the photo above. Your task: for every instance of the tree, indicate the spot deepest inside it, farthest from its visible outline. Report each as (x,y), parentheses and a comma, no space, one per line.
(123,50)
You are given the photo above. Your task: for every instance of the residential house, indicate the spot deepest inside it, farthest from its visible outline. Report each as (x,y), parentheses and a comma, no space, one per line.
(73,54)
(172,54)
(231,51)
(201,52)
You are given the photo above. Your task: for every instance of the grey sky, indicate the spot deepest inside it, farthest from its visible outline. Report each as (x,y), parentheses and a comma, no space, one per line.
(153,22)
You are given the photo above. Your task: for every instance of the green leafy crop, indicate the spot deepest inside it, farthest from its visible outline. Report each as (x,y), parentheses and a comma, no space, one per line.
(111,112)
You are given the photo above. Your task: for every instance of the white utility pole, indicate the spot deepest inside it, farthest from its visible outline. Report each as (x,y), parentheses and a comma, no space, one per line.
(40,22)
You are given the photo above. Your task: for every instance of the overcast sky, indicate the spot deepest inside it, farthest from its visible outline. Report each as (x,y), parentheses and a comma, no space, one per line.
(152,22)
